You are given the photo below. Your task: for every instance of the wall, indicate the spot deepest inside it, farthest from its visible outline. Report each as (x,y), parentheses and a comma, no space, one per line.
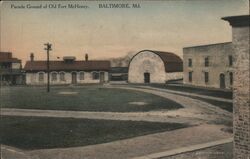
(174,76)
(16,66)
(33,78)
(146,62)
(19,79)
(241,93)
(218,64)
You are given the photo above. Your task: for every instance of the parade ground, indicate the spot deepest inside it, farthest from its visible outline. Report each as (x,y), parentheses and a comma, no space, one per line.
(114,121)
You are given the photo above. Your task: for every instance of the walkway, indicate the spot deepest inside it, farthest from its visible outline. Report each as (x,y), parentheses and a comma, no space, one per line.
(156,116)
(8,152)
(185,149)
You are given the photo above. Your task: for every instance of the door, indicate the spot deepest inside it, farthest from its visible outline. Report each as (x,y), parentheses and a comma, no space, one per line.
(74,78)
(222,81)
(102,77)
(146,77)
(13,80)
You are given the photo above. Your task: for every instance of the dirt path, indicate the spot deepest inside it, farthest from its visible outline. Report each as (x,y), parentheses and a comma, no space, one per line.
(8,152)
(156,116)
(193,108)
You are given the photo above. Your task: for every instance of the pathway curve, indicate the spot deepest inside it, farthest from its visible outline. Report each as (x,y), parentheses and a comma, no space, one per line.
(193,108)
(156,116)
(8,152)
(188,94)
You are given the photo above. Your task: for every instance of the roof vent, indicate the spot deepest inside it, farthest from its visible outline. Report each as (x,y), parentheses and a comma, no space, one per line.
(69,59)
(32,57)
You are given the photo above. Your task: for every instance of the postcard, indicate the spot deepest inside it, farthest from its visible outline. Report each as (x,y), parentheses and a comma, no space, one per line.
(123,79)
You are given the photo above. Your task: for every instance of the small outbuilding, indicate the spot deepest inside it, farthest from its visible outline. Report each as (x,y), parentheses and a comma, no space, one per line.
(149,66)
(10,69)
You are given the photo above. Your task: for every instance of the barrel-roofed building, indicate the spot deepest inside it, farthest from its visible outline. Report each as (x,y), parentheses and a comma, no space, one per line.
(148,66)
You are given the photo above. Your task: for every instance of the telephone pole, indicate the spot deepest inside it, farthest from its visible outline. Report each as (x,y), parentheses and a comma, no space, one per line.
(48,48)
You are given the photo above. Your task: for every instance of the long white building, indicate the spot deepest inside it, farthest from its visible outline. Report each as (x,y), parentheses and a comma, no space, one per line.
(67,71)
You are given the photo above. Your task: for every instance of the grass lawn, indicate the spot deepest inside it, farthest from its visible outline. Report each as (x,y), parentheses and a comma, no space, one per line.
(38,133)
(196,90)
(88,98)
(228,106)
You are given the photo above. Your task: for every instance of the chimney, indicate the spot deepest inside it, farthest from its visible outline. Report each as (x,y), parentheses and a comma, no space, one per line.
(86,57)
(32,57)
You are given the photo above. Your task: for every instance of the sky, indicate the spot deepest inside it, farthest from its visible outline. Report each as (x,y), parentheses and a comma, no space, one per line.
(105,33)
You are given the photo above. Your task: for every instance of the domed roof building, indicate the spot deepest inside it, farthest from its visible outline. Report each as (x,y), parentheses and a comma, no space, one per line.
(149,66)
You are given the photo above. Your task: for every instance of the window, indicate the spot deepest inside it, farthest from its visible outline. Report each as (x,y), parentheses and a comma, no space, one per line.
(54,76)
(62,76)
(81,75)
(206,62)
(41,77)
(190,63)
(95,75)
(206,77)
(190,76)
(231,78)
(230,59)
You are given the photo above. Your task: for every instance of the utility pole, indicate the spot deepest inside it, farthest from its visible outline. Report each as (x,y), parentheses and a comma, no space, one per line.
(48,48)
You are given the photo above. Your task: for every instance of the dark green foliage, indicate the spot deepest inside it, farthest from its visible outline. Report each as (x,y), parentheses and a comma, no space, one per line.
(92,98)
(197,90)
(38,133)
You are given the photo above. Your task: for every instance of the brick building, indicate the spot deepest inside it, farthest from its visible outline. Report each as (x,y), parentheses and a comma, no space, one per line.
(241,87)
(10,69)
(67,71)
(149,66)
(209,65)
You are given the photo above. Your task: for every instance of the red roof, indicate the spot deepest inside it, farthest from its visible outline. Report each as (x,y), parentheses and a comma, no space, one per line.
(172,62)
(66,66)
(7,57)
